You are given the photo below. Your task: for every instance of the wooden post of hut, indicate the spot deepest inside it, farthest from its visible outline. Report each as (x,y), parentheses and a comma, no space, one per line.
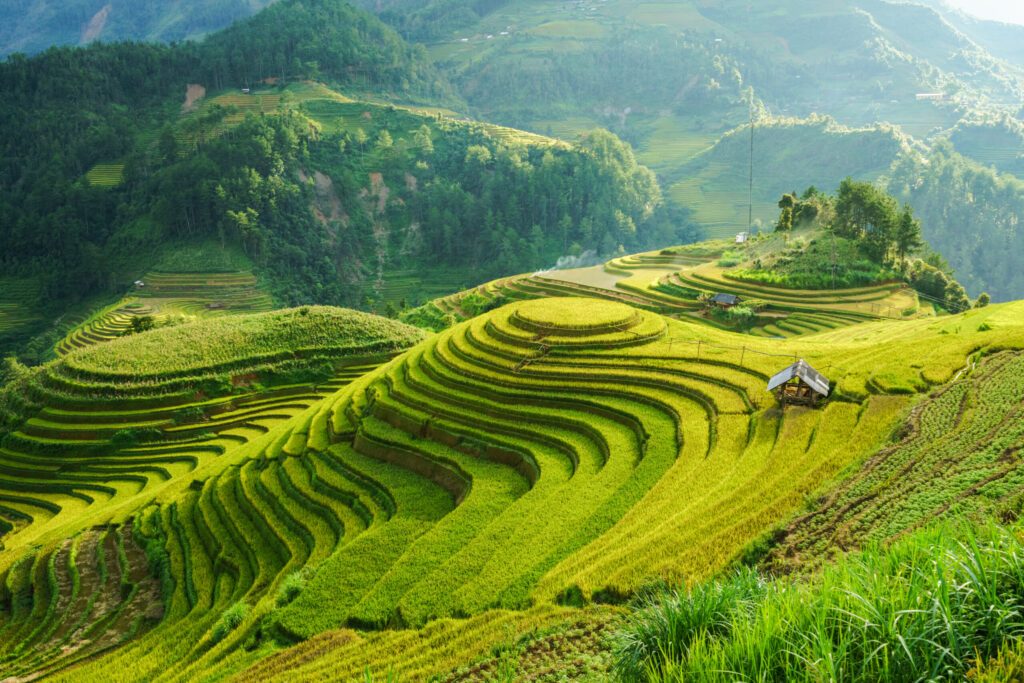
(799,384)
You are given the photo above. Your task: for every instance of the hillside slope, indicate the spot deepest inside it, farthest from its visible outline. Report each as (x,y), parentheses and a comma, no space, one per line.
(344,198)
(406,498)
(91,441)
(544,66)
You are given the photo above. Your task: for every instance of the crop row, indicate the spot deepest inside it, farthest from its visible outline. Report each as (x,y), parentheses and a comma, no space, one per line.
(960,454)
(65,605)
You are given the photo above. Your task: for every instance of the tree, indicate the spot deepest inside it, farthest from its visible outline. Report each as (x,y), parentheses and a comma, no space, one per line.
(785,223)
(141,323)
(907,234)
(983,300)
(956,300)
(423,139)
(384,141)
(168,144)
(361,138)
(868,215)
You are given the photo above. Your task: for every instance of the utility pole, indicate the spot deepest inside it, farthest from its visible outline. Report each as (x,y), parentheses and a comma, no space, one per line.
(750,189)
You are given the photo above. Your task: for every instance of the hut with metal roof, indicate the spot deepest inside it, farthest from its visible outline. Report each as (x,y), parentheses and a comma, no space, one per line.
(799,384)
(725,300)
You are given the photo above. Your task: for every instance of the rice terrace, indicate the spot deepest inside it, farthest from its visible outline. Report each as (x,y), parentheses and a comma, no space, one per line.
(442,341)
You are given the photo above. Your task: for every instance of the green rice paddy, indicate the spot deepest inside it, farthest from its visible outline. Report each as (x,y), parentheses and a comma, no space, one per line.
(401,503)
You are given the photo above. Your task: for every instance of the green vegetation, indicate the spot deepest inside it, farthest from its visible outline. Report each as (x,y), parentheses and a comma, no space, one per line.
(105,175)
(948,192)
(196,486)
(127,100)
(935,604)
(787,153)
(825,262)
(967,471)
(423,490)
(322,196)
(297,333)
(92,433)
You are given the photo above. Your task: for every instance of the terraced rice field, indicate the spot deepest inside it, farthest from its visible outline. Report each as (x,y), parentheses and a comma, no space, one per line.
(86,596)
(15,316)
(18,314)
(791,312)
(106,175)
(106,325)
(672,142)
(88,442)
(960,454)
(670,283)
(204,293)
(411,286)
(719,201)
(238,104)
(339,114)
(170,296)
(605,283)
(409,518)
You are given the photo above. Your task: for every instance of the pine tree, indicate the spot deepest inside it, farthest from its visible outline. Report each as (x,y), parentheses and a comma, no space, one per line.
(908,234)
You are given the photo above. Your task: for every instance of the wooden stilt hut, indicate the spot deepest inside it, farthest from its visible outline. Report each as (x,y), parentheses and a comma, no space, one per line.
(799,384)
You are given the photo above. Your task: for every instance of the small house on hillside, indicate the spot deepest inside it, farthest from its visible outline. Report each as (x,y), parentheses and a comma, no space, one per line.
(725,300)
(742,237)
(799,384)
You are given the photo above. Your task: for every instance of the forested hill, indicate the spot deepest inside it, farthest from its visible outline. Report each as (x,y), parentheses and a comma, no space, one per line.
(679,79)
(68,109)
(333,194)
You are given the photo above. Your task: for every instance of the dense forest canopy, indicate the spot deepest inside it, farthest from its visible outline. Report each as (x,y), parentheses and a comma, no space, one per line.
(107,101)
(971,214)
(414,189)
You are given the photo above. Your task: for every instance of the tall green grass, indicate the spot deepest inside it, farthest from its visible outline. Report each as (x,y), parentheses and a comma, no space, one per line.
(928,608)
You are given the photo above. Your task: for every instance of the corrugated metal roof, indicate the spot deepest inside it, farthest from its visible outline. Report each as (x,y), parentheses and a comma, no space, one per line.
(728,299)
(801,369)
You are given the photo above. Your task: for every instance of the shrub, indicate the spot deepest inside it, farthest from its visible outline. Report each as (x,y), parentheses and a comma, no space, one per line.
(290,588)
(189,415)
(229,620)
(741,317)
(125,438)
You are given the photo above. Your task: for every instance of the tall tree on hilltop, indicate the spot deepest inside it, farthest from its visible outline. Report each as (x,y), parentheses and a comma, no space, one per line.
(866,214)
(786,204)
(907,235)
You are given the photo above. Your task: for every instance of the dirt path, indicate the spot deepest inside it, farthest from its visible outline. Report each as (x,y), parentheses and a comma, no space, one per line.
(193,94)
(96,25)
